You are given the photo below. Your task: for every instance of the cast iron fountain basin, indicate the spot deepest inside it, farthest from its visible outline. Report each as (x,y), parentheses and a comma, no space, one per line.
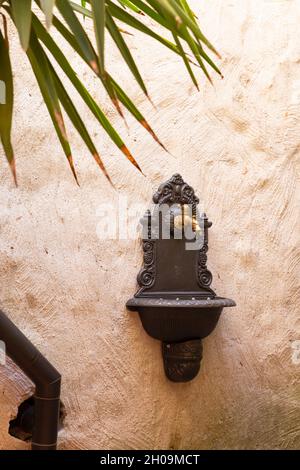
(175,301)
(172,320)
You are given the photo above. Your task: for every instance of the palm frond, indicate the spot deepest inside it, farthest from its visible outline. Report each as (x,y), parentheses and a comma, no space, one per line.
(175,17)
(47,7)
(22,16)
(6,107)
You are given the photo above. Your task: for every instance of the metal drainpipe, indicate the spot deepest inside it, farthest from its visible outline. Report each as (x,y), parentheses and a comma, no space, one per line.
(47,382)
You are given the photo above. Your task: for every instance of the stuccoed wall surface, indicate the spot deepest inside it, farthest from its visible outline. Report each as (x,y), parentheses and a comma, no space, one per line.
(238,144)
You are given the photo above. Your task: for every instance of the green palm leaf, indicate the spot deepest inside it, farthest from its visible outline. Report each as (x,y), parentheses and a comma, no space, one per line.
(47,7)
(76,27)
(130,20)
(98,13)
(129,4)
(21,11)
(85,95)
(6,107)
(174,16)
(94,62)
(42,71)
(123,48)
(76,119)
(185,60)
(193,25)
(118,91)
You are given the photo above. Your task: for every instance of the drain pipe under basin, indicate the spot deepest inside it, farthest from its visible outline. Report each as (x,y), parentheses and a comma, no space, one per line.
(46,379)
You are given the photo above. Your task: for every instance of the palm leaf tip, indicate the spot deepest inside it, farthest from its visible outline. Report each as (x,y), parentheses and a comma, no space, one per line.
(10,159)
(60,122)
(12,165)
(107,82)
(102,167)
(71,163)
(217,53)
(130,157)
(150,100)
(145,124)
(116,104)
(95,67)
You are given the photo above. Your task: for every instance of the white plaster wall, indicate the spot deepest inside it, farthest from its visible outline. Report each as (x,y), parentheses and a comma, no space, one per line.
(238,144)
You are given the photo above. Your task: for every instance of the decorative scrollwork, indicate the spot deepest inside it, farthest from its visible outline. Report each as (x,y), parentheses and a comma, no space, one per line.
(204,275)
(146,276)
(175,190)
(202,260)
(205,278)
